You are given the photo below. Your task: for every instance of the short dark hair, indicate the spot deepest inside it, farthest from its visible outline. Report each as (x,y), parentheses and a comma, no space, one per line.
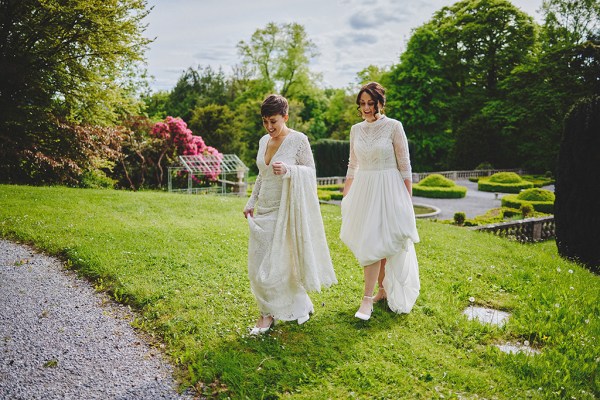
(274,104)
(376,91)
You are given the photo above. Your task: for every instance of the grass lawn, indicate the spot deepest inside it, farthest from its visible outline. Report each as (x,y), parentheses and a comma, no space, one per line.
(180,260)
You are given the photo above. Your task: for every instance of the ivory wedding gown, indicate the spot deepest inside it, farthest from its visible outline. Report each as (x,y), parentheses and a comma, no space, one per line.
(287,250)
(378,219)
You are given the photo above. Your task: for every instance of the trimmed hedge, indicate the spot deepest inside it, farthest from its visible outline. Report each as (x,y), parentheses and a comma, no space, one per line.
(540,199)
(332,188)
(505,177)
(331,157)
(437,186)
(504,182)
(456,192)
(436,180)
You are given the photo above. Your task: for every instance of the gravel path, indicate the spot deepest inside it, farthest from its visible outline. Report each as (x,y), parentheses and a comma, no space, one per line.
(59,339)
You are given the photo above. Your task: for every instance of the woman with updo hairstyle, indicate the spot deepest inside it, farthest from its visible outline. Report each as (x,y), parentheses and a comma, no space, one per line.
(378,220)
(287,248)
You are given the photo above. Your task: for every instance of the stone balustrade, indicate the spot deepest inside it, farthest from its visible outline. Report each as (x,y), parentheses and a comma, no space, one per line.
(455,175)
(526,230)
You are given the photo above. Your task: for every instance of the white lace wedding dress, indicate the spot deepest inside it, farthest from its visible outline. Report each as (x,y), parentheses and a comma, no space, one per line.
(287,250)
(378,218)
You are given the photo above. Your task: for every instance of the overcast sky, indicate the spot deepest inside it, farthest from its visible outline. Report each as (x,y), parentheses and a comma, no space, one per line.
(349,34)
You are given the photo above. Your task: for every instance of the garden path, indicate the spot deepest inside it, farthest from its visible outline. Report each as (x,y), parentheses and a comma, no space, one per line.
(60,339)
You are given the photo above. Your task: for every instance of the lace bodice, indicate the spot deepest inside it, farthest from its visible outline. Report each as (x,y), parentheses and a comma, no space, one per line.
(295,150)
(379,145)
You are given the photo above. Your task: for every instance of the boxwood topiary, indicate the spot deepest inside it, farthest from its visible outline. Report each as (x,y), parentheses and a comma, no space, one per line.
(504,182)
(540,199)
(436,180)
(439,187)
(505,177)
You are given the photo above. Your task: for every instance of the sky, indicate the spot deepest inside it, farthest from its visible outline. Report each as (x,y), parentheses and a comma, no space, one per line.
(349,34)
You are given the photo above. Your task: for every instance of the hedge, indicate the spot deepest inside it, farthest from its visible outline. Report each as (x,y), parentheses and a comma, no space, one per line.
(437,186)
(331,157)
(436,180)
(504,182)
(541,200)
(455,192)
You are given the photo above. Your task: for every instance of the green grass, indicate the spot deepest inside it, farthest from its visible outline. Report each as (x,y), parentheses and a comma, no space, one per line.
(181,262)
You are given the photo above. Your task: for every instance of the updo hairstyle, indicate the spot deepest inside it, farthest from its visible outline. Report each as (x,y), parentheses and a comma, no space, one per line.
(377,93)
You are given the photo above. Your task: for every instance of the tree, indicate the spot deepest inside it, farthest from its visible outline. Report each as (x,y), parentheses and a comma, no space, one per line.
(452,67)
(63,63)
(565,68)
(576,211)
(216,125)
(279,55)
(197,88)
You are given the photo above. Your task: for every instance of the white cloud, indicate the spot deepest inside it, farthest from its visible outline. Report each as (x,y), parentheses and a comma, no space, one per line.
(349,34)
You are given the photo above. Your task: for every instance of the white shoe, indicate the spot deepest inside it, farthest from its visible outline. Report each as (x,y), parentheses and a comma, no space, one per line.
(363,316)
(302,320)
(259,331)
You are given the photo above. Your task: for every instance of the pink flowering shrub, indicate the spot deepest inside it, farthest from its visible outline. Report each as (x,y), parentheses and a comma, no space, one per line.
(175,139)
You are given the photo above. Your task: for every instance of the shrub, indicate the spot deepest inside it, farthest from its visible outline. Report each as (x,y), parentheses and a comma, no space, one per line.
(539,180)
(484,165)
(331,157)
(505,177)
(436,180)
(459,218)
(577,214)
(504,182)
(437,186)
(324,195)
(540,200)
(526,210)
(455,192)
(536,194)
(96,179)
(332,188)
(336,195)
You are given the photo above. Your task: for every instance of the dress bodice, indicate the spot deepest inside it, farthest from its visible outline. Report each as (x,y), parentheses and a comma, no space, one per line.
(379,145)
(294,150)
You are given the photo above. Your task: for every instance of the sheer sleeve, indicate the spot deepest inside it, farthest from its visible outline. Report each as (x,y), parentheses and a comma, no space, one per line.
(305,155)
(401,150)
(255,191)
(352,162)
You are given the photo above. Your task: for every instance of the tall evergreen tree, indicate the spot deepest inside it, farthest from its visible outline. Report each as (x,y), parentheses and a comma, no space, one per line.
(576,209)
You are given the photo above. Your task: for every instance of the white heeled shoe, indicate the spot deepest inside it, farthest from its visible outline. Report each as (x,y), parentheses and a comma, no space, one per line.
(259,331)
(302,320)
(363,316)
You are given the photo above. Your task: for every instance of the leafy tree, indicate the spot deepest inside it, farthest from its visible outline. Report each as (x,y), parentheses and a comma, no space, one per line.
(216,124)
(279,55)
(576,207)
(340,113)
(453,65)
(372,73)
(566,68)
(134,157)
(63,62)
(197,88)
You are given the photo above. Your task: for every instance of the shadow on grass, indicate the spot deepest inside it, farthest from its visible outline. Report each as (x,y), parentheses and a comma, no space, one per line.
(291,356)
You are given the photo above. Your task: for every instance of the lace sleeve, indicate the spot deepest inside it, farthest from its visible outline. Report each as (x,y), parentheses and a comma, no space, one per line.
(352,162)
(305,155)
(401,150)
(255,191)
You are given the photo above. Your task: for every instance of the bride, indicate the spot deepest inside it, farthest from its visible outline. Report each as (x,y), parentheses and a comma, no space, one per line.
(287,249)
(378,220)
